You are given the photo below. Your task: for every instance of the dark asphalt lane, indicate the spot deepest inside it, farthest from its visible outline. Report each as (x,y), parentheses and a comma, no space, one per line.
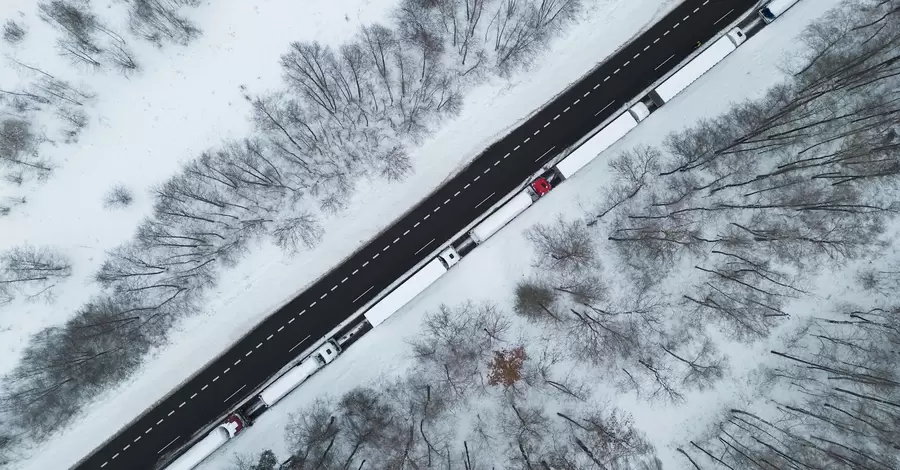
(503,167)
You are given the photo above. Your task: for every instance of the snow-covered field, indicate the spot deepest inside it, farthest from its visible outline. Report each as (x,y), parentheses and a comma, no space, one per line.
(491,271)
(186,99)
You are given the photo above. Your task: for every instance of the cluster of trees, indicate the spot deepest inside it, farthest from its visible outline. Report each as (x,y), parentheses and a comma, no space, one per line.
(472,400)
(832,400)
(31,272)
(636,338)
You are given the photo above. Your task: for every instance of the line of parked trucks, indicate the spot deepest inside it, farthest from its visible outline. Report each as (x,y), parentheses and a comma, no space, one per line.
(582,154)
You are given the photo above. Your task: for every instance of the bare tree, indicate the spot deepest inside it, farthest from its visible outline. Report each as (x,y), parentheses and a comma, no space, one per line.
(563,246)
(119,196)
(32,271)
(13,33)
(161,20)
(536,299)
(18,148)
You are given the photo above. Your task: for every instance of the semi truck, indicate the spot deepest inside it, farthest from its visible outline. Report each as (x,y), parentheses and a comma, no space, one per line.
(774,9)
(411,287)
(205,447)
(597,143)
(281,387)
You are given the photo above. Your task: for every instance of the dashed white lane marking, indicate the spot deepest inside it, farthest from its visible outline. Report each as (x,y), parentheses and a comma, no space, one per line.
(226,370)
(664,62)
(595,87)
(604,108)
(182,404)
(704,3)
(114,456)
(298,344)
(204,387)
(376,255)
(126,447)
(617,70)
(439,207)
(167,445)
(171,413)
(445,202)
(454,195)
(636,56)
(576,102)
(526,140)
(194,395)
(655,40)
(495,164)
(477,178)
(646,47)
(425,246)
(507,154)
(237,362)
(676,25)
(414,226)
(367,290)
(216,378)
(160,421)
(667,32)
(467,185)
(268,338)
(104,464)
(696,9)
(685,18)
(291,320)
(548,122)
(354,272)
(386,248)
(137,438)
(556,117)
(326,294)
(586,94)
(148,430)
(248,353)
(429,215)
(335,286)
(517,148)
(537,132)
(259,345)
(280,328)
(485,199)
(235,393)
(545,154)
(607,78)
(301,312)
(723,16)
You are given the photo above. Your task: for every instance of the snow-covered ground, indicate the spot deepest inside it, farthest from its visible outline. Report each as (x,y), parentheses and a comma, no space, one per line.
(491,271)
(187,99)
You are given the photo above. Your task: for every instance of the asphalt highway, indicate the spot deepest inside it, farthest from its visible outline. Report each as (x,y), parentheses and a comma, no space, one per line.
(500,169)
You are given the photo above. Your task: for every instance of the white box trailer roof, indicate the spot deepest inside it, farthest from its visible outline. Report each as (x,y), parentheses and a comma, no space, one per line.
(405,292)
(501,217)
(289,381)
(694,69)
(774,9)
(201,450)
(609,135)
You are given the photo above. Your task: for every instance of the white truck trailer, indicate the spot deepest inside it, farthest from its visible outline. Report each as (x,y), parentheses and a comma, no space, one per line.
(602,140)
(282,386)
(209,444)
(412,287)
(501,217)
(699,65)
(774,9)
